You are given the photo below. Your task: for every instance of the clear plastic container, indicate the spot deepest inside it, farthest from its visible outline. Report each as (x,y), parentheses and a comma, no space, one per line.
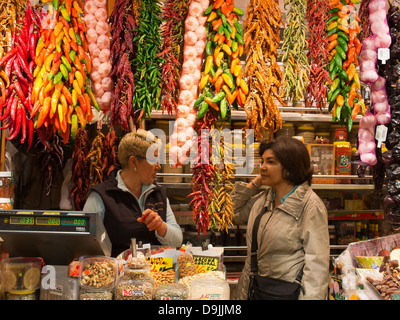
(209,288)
(95,294)
(136,268)
(128,289)
(30,295)
(65,288)
(21,275)
(171,291)
(286,131)
(6,184)
(5,204)
(307,132)
(98,272)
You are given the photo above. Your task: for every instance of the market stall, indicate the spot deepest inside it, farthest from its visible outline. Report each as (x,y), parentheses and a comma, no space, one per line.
(76,75)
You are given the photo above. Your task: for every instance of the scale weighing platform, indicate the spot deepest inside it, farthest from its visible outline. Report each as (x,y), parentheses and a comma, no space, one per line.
(56,236)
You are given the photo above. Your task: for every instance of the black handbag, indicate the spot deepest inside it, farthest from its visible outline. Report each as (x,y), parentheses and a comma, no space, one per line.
(267,288)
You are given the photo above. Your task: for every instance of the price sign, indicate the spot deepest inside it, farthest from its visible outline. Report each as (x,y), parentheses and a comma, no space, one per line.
(204,264)
(160,263)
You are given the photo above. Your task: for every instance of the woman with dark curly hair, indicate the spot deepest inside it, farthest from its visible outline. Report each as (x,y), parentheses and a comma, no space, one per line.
(289,223)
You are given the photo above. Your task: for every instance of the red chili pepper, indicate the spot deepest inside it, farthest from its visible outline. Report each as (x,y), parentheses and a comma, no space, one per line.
(31,128)
(19,91)
(17,124)
(7,56)
(23,125)
(10,101)
(22,49)
(24,66)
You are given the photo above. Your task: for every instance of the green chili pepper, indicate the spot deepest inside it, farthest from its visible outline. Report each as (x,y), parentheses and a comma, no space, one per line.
(334,95)
(341,52)
(338,60)
(239,28)
(64,71)
(343,35)
(55,4)
(332,31)
(72,55)
(333,18)
(334,72)
(66,63)
(57,77)
(218,97)
(199,100)
(220,30)
(223,108)
(208,10)
(234,46)
(334,85)
(65,14)
(239,38)
(333,10)
(238,11)
(203,110)
(343,74)
(342,43)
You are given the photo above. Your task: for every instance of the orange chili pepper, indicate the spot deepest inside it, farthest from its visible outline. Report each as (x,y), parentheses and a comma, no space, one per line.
(211,104)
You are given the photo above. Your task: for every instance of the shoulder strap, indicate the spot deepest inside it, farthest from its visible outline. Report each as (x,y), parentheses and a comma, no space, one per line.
(254,244)
(254,247)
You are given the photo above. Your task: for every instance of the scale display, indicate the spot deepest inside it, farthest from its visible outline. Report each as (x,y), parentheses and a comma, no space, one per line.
(71,222)
(56,236)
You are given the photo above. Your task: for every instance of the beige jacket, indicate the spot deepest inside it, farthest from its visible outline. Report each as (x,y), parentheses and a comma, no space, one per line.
(296,234)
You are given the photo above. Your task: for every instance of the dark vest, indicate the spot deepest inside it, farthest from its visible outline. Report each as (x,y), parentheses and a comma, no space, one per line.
(122,210)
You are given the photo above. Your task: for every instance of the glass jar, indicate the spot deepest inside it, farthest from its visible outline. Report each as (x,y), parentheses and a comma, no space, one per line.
(139,289)
(322,137)
(171,291)
(6,185)
(286,131)
(95,294)
(5,204)
(342,160)
(307,132)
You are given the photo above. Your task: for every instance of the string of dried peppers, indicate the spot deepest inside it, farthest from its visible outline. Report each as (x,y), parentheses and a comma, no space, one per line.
(61,93)
(10,12)
(174,15)
(221,87)
(317,16)
(344,95)
(18,64)
(146,61)
(263,74)
(294,52)
(122,25)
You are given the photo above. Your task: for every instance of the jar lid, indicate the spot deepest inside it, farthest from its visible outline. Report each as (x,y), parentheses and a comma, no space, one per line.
(322,134)
(5,174)
(341,142)
(306,128)
(162,121)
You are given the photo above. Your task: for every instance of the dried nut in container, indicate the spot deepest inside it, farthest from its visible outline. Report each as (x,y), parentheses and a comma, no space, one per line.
(186,265)
(163,277)
(171,291)
(127,289)
(98,274)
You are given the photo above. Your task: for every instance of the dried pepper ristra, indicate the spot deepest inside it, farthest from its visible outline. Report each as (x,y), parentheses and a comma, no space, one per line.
(16,90)
(317,16)
(262,72)
(61,93)
(122,25)
(222,85)
(174,14)
(80,169)
(294,52)
(95,156)
(344,95)
(146,61)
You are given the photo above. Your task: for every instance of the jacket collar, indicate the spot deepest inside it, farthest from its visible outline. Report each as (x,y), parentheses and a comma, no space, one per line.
(294,203)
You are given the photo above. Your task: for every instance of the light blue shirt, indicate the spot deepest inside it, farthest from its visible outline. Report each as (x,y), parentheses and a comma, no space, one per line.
(173,236)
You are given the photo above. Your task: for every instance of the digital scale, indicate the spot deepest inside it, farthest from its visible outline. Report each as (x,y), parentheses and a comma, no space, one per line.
(56,236)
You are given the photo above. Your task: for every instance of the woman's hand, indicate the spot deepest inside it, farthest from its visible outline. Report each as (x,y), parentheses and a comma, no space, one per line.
(153,222)
(256,183)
